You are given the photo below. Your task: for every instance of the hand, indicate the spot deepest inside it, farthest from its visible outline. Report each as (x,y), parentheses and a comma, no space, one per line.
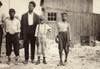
(71,44)
(21,41)
(57,39)
(18,36)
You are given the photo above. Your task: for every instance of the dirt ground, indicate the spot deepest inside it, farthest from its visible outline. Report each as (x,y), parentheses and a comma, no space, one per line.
(80,57)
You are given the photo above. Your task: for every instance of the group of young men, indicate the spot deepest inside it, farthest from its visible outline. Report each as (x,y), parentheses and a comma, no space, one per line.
(32,28)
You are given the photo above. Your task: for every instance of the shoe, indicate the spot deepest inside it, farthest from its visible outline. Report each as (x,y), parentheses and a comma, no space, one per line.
(32,61)
(25,62)
(65,61)
(38,62)
(61,64)
(44,60)
(16,61)
(9,62)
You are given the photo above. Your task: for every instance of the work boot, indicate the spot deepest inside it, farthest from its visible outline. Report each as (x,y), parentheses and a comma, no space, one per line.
(25,62)
(9,60)
(16,61)
(32,61)
(61,64)
(65,61)
(38,61)
(44,60)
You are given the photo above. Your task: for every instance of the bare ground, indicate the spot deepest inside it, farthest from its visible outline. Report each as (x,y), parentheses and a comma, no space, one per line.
(80,57)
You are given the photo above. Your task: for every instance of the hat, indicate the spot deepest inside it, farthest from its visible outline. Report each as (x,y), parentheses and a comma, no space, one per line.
(42,18)
(63,14)
(0,3)
(11,10)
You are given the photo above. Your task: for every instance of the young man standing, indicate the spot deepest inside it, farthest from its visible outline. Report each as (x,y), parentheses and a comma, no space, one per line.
(64,37)
(29,22)
(12,27)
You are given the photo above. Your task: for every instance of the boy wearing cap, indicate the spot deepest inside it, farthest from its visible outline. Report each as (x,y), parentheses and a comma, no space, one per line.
(12,28)
(41,30)
(64,38)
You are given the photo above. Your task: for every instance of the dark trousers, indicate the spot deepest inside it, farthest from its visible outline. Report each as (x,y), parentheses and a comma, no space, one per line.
(1,33)
(29,39)
(12,40)
(63,41)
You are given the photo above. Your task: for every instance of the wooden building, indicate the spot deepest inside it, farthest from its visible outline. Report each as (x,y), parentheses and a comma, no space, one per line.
(84,24)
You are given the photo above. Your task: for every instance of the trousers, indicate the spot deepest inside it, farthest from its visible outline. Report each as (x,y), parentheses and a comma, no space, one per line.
(12,40)
(63,41)
(41,49)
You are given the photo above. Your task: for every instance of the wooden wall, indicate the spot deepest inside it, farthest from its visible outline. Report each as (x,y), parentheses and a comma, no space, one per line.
(80,16)
(82,24)
(96,20)
(71,5)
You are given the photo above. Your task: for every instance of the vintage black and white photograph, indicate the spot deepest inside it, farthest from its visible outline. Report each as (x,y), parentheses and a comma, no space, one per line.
(49,34)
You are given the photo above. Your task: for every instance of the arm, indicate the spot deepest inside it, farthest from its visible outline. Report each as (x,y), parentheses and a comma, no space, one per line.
(57,28)
(18,26)
(69,33)
(36,32)
(48,28)
(4,28)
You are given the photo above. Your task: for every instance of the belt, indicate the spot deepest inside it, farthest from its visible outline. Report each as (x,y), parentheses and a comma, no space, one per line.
(12,34)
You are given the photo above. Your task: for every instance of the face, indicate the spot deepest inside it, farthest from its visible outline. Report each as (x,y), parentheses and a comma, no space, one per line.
(30,7)
(41,21)
(12,15)
(64,17)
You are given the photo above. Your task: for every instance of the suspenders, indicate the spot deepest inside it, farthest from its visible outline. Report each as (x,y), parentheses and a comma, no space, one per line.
(44,28)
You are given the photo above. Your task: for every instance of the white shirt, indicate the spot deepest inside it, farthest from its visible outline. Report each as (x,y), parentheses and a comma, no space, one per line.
(64,27)
(42,29)
(30,18)
(12,26)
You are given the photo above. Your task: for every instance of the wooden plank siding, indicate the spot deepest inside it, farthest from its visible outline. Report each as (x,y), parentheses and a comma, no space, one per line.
(96,21)
(82,24)
(70,5)
(80,16)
